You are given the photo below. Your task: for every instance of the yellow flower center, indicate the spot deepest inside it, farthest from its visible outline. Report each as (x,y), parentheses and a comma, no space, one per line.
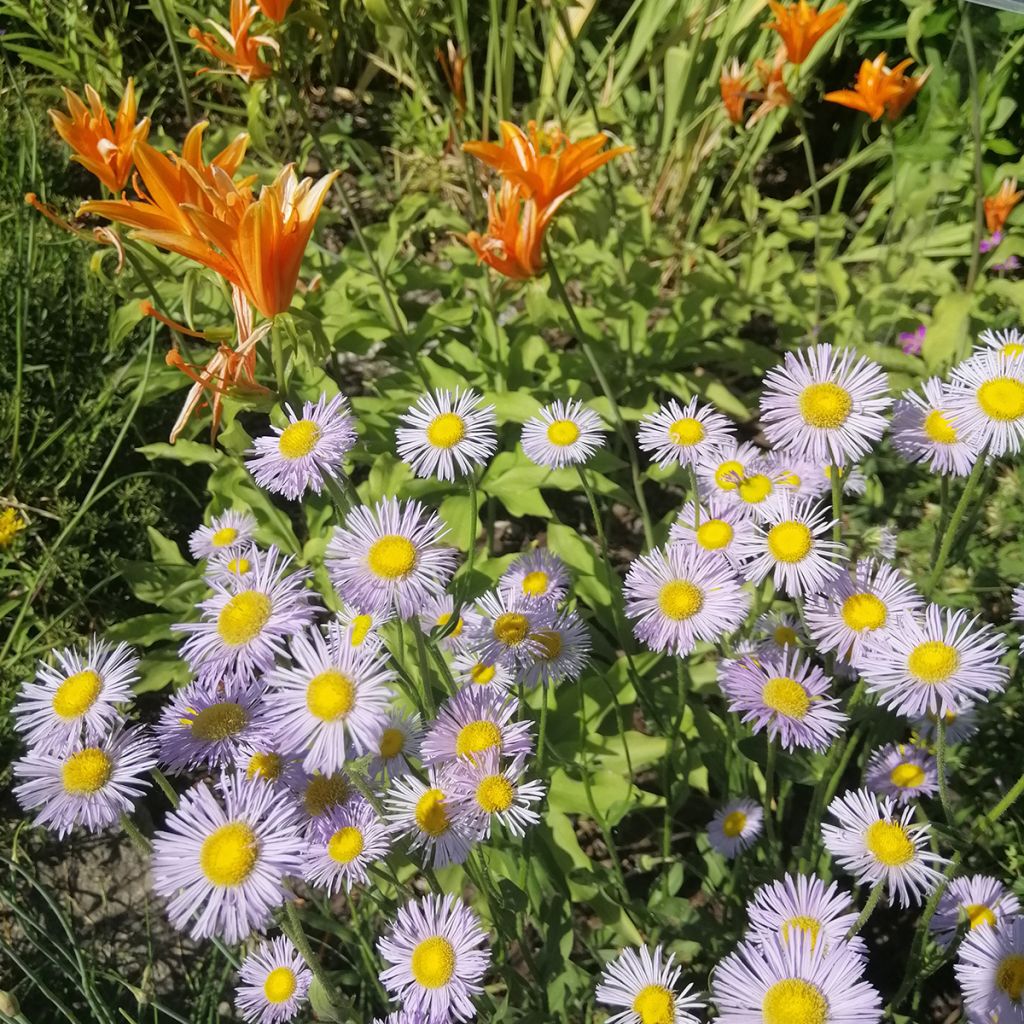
(511,628)
(790,541)
(1012,348)
(324,792)
(550,641)
(680,600)
(298,439)
(345,845)
(785,636)
(482,674)
(938,428)
(686,432)
(433,962)
(242,618)
(228,855)
(239,566)
(280,985)
(1010,976)
(1002,399)
(446,430)
(563,433)
(431,814)
(979,914)
(714,534)
(477,736)
(810,926)
(77,694)
(889,843)
(86,772)
(825,406)
(392,743)
(495,794)
(535,584)
(219,721)
(655,1004)
(392,557)
(907,775)
(224,536)
(863,612)
(330,695)
(444,618)
(734,824)
(728,475)
(786,696)
(933,661)
(794,1001)
(361,625)
(754,489)
(265,766)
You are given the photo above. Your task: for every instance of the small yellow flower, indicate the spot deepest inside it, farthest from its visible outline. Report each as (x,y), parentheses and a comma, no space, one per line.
(11,524)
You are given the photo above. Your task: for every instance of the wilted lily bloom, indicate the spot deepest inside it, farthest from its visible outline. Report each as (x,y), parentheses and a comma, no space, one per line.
(876,88)
(773,93)
(102,148)
(275,10)
(237,49)
(800,26)
(1000,206)
(733,86)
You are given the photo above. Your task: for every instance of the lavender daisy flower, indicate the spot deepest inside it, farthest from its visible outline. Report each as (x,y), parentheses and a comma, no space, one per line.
(88,786)
(536,576)
(563,434)
(682,595)
(333,699)
(274,982)
(794,983)
(425,813)
(343,844)
(786,697)
(363,627)
(482,791)
(858,607)
(825,405)
(875,845)
(221,859)
(399,740)
(317,793)
(245,624)
(390,557)
(923,430)
(564,651)
(961,725)
(269,762)
(1009,342)
(437,614)
(735,826)
(792,544)
(644,989)
(447,435)
(78,699)
(803,905)
(990,970)
(473,721)
(935,663)
(507,628)
(306,453)
(977,901)
(986,401)
(715,527)
(435,959)
(471,670)
(780,633)
(227,568)
(229,532)
(901,772)
(674,435)
(720,472)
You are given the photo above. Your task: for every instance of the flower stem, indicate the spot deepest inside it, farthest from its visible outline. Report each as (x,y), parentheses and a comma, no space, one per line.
(293,929)
(769,794)
(976,137)
(953,524)
(869,908)
(837,503)
(141,843)
(940,760)
(179,71)
(471,550)
(165,786)
(812,177)
(542,729)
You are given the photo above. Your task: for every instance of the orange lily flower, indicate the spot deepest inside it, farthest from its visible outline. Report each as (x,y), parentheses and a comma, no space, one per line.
(1000,206)
(773,93)
(275,10)
(102,148)
(877,86)
(546,165)
(800,26)
(733,86)
(910,86)
(241,53)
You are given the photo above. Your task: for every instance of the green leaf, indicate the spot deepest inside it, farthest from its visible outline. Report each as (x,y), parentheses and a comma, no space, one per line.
(188,453)
(946,338)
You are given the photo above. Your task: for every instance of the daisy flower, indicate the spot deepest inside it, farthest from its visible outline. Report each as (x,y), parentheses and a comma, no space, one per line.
(228,567)
(244,625)
(644,989)
(437,614)
(318,793)
(825,405)
(333,699)
(205,724)
(901,772)
(792,543)
(564,651)
(221,859)
(990,970)
(677,435)
(1018,605)
(680,595)
(923,431)
(435,960)
(471,670)
(397,741)
(229,532)
(506,630)
(794,982)
(715,526)
(721,472)
(78,699)
(390,557)
(859,606)
(342,844)
(986,401)
(977,901)
(363,627)
(875,845)
(447,435)
(483,791)
(781,634)
(563,434)
(801,905)
(269,762)
(735,826)
(935,663)
(536,576)
(89,786)
(1009,342)
(473,721)
(961,725)
(274,982)
(785,696)
(425,813)
(306,453)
